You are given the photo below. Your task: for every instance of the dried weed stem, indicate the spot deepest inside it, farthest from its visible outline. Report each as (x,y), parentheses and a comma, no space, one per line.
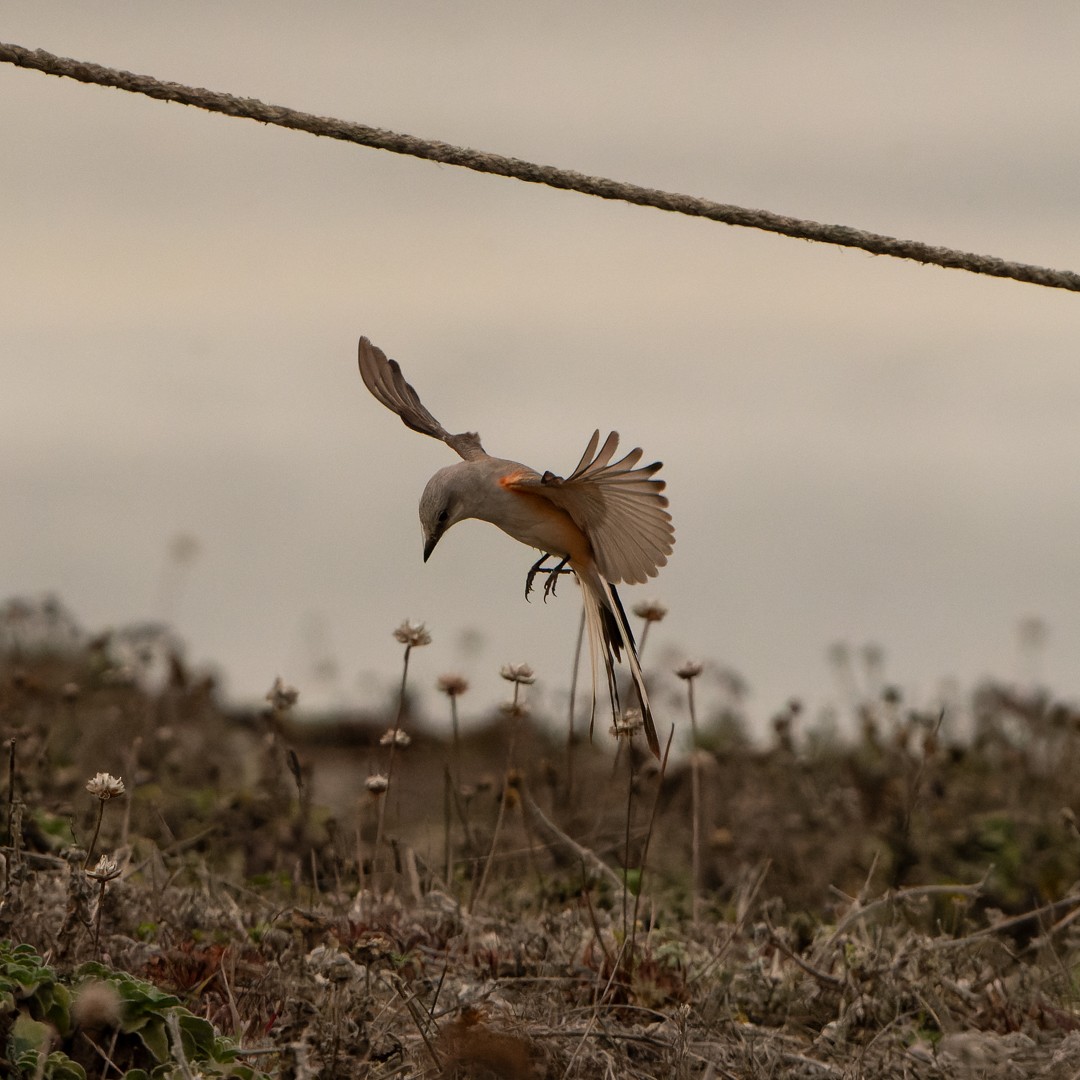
(688,673)
(514,713)
(380,822)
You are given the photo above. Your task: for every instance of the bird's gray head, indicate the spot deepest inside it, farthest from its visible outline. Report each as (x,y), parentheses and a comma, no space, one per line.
(444,503)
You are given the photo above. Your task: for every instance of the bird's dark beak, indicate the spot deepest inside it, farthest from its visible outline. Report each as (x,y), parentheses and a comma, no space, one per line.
(429,546)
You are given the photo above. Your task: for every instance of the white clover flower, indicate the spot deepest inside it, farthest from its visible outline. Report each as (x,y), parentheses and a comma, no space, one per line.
(395,736)
(105,786)
(376,783)
(690,670)
(518,673)
(412,634)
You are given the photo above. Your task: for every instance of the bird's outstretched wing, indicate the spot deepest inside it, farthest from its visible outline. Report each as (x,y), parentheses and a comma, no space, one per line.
(383,378)
(620,509)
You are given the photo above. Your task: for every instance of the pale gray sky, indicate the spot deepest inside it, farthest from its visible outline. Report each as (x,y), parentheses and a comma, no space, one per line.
(856,448)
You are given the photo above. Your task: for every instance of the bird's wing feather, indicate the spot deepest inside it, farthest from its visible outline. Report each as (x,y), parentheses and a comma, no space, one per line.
(619,507)
(384,379)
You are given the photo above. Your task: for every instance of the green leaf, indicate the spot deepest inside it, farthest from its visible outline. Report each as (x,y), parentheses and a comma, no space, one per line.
(28,1034)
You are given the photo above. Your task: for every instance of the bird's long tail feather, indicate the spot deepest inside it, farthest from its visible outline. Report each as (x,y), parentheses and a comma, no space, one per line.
(609,634)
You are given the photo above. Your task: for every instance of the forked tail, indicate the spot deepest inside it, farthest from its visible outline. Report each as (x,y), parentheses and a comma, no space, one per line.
(609,635)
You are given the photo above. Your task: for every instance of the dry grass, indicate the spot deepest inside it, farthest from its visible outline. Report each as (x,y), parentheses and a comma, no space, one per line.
(903,906)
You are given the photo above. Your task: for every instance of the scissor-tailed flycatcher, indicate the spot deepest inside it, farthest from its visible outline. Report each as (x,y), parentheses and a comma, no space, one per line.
(608,522)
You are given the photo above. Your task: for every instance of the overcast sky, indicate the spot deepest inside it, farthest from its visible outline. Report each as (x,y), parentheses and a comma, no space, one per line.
(857,449)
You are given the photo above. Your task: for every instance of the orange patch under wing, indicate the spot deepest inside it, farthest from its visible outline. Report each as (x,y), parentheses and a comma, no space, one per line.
(573,539)
(512,479)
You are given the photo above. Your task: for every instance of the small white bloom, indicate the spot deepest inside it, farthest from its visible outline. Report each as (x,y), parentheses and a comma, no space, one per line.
(412,634)
(690,670)
(105,786)
(518,673)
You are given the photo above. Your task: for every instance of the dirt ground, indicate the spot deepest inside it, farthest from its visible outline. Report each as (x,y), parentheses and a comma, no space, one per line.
(900,905)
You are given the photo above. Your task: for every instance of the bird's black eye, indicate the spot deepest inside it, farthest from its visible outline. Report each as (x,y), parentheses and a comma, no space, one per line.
(443,515)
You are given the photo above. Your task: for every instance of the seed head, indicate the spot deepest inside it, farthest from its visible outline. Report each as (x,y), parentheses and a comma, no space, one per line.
(650,610)
(412,634)
(281,696)
(106,869)
(452,685)
(395,736)
(518,673)
(628,725)
(97,1005)
(690,670)
(376,783)
(104,786)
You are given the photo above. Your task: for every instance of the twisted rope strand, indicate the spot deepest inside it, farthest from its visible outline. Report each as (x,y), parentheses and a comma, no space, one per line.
(530,172)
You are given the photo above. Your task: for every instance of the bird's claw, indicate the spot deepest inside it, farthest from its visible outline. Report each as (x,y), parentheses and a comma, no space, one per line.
(552,572)
(553,578)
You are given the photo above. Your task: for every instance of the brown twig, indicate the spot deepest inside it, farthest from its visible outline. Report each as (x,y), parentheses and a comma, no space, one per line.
(1069,902)
(555,838)
(648,841)
(900,896)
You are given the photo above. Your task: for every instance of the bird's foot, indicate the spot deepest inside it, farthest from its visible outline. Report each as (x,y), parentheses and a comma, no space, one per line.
(552,572)
(535,569)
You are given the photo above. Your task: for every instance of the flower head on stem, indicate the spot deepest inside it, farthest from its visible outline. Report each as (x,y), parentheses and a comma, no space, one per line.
(105,870)
(412,634)
(626,726)
(691,669)
(649,611)
(281,696)
(518,673)
(104,787)
(452,685)
(377,784)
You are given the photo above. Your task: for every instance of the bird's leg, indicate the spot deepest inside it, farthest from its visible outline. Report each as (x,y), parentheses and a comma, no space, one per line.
(535,569)
(553,573)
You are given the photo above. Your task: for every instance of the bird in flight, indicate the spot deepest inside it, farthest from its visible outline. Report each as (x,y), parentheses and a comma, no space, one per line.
(607,521)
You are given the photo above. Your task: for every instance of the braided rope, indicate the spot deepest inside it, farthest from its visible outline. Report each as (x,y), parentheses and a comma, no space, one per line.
(480,161)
